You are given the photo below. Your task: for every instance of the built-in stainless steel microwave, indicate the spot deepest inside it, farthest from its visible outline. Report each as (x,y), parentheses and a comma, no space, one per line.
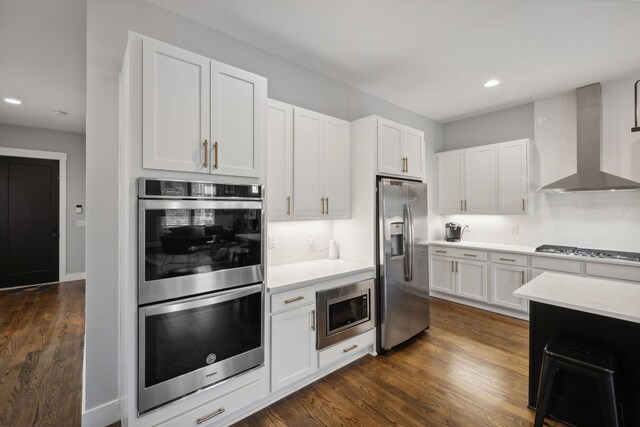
(344,312)
(197,237)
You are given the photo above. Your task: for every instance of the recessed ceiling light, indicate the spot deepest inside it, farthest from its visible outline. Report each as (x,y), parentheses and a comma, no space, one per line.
(12,101)
(60,113)
(492,83)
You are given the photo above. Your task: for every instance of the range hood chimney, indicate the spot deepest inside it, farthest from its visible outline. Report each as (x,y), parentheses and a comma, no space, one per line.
(589,177)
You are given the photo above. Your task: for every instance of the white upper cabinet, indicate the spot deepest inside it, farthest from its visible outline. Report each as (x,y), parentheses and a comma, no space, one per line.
(389,147)
(450,166)
(487,179)
(200,115)
(279,160)
(175,103)
(480,179)
(336,154)
(238,101)
(321,166)
(308,167)
(513,176)
(400,150)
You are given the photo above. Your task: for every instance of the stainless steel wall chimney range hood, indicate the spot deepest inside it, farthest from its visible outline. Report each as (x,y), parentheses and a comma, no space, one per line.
(589,177)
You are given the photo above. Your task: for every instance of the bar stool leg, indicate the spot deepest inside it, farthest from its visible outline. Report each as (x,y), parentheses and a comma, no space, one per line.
(609,401)
(546,388)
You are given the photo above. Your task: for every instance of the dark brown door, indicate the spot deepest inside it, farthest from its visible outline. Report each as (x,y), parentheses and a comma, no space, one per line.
(29,221)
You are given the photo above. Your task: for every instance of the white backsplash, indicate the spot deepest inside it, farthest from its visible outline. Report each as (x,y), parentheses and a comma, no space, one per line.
(602,220)
(292,240)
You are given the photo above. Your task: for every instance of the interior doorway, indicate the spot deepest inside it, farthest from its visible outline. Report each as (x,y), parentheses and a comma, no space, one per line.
(32,217)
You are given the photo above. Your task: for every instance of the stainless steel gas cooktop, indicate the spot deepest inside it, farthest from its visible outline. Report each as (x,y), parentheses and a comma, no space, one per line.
(589,253)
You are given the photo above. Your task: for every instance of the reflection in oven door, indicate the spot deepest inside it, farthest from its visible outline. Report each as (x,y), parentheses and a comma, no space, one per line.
(191,247)
(193,343)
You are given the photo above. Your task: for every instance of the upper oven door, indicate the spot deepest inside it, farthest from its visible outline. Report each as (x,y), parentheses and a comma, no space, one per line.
(188,247)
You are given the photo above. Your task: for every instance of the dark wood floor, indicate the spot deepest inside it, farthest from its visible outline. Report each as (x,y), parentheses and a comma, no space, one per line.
(469,369)
(41,347)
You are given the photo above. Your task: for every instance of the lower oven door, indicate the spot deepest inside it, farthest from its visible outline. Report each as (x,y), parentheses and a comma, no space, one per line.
(189,344)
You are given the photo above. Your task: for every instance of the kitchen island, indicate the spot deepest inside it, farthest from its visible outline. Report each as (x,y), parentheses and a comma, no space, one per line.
(603,313)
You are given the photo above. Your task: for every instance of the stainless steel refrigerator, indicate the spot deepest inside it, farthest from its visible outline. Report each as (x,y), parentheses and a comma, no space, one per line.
(403,260)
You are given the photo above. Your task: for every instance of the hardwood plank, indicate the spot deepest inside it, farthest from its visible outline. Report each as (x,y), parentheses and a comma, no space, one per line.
(469,369)
(41,348)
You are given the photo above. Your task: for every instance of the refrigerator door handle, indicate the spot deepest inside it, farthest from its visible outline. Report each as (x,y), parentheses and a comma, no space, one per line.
(408,241)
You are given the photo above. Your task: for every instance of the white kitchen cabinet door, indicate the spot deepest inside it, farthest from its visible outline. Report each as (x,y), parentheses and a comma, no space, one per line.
(442,274)
(308,191)
(505,279)
(413,150)
(480,179)
(450,181)
(279,160)
(238,105)
(390,147)
(471,279)
(175,109)
(512,177)
(336,172)
(293,346)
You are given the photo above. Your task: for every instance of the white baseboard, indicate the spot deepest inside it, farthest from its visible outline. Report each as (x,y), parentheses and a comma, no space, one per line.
(74,276)
(102,415)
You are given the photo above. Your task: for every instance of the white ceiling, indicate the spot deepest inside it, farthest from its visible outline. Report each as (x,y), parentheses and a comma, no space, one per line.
(433,56)
(43,63)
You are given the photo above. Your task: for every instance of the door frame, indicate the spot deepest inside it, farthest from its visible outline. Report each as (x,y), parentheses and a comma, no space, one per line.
(62,159)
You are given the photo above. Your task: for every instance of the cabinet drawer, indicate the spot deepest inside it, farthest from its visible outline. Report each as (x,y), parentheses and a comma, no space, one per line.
(621,272)
(220,409)
(292,299)
(556,264)
(510,259)
(345,349)
(458,253)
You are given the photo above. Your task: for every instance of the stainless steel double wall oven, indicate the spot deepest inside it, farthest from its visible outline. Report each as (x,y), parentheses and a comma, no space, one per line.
(200,286)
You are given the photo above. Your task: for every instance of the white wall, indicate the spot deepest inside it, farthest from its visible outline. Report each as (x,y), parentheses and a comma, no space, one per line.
(601,220)
(108,23)
(298,241)
(73,144)
(498,126)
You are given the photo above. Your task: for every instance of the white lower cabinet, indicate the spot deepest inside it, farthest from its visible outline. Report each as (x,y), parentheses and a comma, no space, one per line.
(293,346)
(505,279)
(219,410)
(471,279)
(443,274)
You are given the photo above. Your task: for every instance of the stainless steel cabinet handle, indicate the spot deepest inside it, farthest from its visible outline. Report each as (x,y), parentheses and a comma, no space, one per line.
(288,205)
(522,277)
(289,301)
(461,205)
(322,204)
(522,205)
(211,415)
(327,201)
(206,154)
(348,349)
(215,155)
(313,320)
(452,267)
(472,255)
(465,205)
(456,266)
(441,252)
(507,259)
(406,164)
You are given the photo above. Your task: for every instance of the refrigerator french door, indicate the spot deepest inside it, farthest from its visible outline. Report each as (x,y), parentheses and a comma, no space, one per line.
(403,264)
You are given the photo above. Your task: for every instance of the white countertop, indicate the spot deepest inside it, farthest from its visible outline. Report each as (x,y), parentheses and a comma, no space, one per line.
(619,300)
(308,272)
(528,250)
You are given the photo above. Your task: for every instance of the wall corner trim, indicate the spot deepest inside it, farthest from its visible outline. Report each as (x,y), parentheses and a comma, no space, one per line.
(103,415)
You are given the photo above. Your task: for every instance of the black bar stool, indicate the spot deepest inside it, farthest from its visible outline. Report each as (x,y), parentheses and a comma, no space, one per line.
(582,359)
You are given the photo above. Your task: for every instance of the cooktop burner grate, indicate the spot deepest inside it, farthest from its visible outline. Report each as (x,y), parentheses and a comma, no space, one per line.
(590,253)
